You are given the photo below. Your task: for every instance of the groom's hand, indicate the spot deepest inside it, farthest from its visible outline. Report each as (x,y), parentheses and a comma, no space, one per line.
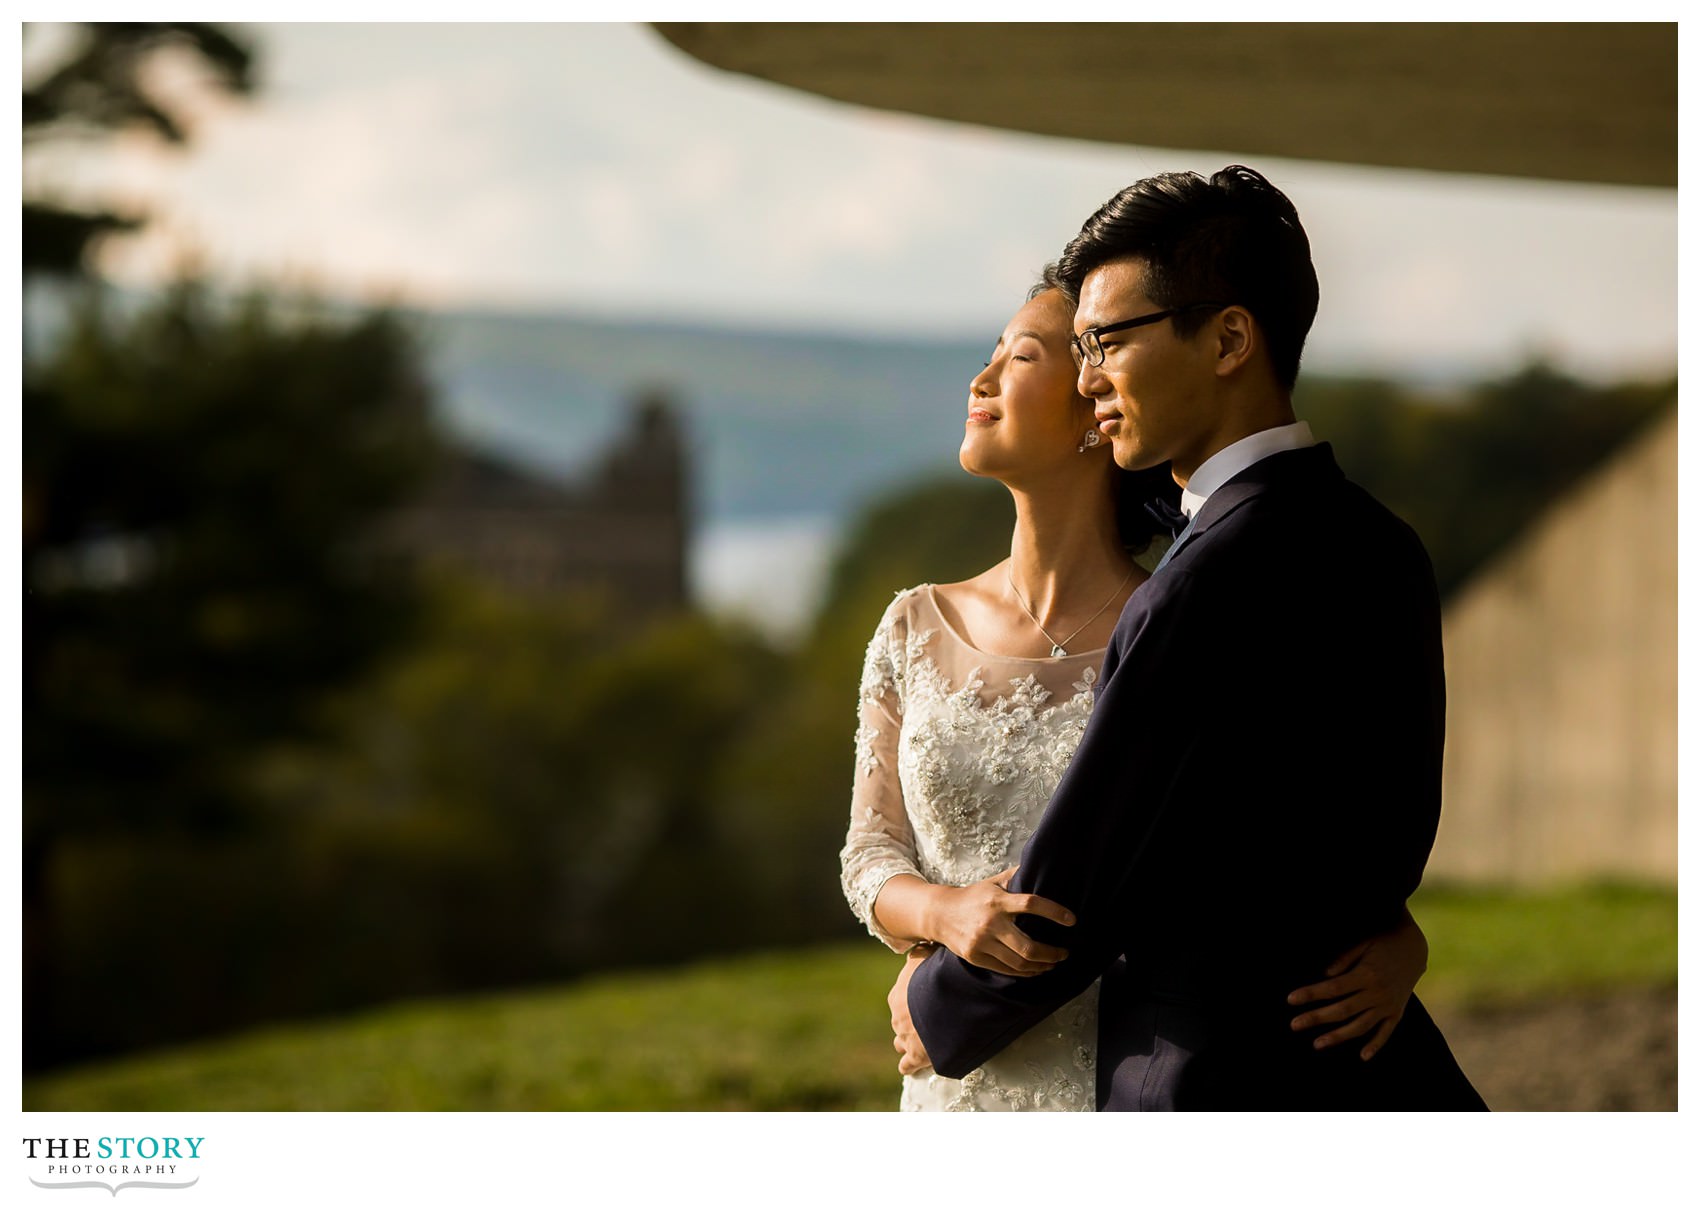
(1366,988)
(905,1040)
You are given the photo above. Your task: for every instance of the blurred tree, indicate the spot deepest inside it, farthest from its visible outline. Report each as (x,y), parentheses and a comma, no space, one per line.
(203,486)
(788,780)
(1471,472)
(533,790)
(579,759)
(941,529)
(101,87)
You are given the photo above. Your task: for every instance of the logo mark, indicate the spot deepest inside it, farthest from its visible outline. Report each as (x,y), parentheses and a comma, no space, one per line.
(129,1183)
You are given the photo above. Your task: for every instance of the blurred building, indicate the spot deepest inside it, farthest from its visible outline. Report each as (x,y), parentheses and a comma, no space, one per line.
(620,531)
(1561,686)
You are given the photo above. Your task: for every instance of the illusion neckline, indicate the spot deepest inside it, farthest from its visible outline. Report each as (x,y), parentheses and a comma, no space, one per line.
(933,601)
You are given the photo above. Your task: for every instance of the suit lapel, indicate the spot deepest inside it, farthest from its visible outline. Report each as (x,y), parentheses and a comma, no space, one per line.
(1283,467)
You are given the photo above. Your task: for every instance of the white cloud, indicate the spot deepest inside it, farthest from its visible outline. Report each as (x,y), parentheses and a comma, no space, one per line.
(709,171)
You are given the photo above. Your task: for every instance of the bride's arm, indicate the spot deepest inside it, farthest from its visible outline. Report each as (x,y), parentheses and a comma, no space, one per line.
(1366,988)
(880,844)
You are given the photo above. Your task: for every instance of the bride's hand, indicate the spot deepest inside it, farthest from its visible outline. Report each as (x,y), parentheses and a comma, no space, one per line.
(905,1039)
(1369,985)
(977,922)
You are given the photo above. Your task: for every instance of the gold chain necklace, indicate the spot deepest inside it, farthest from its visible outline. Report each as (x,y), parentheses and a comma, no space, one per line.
(1058,648)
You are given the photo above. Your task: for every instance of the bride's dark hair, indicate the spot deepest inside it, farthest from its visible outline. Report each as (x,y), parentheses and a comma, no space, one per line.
(1132,489)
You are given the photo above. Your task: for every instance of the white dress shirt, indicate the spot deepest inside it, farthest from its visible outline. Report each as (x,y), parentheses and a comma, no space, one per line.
(1236,457)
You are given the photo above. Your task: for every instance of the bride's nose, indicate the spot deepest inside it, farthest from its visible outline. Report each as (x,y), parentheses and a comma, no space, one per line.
(985,383)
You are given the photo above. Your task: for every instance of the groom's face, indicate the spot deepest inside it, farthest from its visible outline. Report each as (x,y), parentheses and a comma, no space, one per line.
(1153,395)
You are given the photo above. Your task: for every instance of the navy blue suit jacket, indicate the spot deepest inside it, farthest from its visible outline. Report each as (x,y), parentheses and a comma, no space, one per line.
(1257,790)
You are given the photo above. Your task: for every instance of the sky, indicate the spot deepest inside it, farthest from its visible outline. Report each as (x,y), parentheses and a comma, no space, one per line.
(596,168)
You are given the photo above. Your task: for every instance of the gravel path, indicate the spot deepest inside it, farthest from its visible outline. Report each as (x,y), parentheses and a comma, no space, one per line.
(1611,1052)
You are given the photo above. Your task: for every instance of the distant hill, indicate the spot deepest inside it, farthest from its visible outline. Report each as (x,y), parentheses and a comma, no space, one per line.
(783,425)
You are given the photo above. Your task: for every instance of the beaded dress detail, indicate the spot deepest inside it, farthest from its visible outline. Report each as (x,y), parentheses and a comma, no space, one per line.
(957,754)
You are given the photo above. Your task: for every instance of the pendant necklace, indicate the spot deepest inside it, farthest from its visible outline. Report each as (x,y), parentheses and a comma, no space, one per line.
(1058,648)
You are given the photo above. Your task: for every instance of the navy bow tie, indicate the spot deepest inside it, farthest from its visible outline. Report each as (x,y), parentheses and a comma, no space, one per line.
(1167,516)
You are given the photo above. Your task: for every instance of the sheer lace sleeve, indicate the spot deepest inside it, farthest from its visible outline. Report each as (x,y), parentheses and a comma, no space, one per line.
(880,843)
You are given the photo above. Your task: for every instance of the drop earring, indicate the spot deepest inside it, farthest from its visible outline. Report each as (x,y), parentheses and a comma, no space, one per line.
(1093,438)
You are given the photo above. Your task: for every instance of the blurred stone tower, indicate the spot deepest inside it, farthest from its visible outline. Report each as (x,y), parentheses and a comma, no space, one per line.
(619,534)
(636,508)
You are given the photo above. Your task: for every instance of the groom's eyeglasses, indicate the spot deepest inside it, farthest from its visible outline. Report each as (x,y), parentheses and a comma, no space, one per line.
(1087,348)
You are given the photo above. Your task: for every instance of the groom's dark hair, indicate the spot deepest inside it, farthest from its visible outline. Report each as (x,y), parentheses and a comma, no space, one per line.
(1233,238)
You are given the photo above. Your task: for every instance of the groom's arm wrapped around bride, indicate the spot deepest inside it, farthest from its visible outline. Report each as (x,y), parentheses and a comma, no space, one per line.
(1258,789)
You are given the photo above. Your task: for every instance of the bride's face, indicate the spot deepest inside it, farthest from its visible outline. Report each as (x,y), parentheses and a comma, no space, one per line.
(1024,415)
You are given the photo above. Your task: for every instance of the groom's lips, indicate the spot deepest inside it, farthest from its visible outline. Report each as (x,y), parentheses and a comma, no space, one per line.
(1108,423)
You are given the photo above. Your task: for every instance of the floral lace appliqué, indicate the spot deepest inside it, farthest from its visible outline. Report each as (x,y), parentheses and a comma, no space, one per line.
(977,776)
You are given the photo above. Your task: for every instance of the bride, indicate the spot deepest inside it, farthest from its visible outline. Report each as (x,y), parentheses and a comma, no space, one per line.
(973,698)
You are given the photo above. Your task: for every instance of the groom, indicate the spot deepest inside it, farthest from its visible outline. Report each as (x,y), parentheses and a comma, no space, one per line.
(1259,785)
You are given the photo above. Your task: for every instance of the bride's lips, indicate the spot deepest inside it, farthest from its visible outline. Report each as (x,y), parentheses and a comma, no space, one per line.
(980,417)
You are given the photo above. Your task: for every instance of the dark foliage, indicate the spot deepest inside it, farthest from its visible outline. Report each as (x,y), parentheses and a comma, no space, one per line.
(102,87)
(1472,472)
(201,491)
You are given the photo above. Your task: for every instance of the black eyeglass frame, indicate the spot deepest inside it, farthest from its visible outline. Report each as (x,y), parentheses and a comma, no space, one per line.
(1087,344)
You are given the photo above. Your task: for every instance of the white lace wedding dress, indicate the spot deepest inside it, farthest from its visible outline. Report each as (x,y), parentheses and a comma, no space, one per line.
(957,754)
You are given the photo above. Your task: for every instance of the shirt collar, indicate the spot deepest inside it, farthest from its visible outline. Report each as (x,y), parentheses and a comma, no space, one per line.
(1236,457)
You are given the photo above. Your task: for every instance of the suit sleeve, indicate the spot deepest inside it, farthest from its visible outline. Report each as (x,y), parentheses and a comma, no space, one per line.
(1092,846)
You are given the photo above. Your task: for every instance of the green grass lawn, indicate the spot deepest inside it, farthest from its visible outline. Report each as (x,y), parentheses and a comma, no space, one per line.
(1495,947)
(800,1030)
(797,1030)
